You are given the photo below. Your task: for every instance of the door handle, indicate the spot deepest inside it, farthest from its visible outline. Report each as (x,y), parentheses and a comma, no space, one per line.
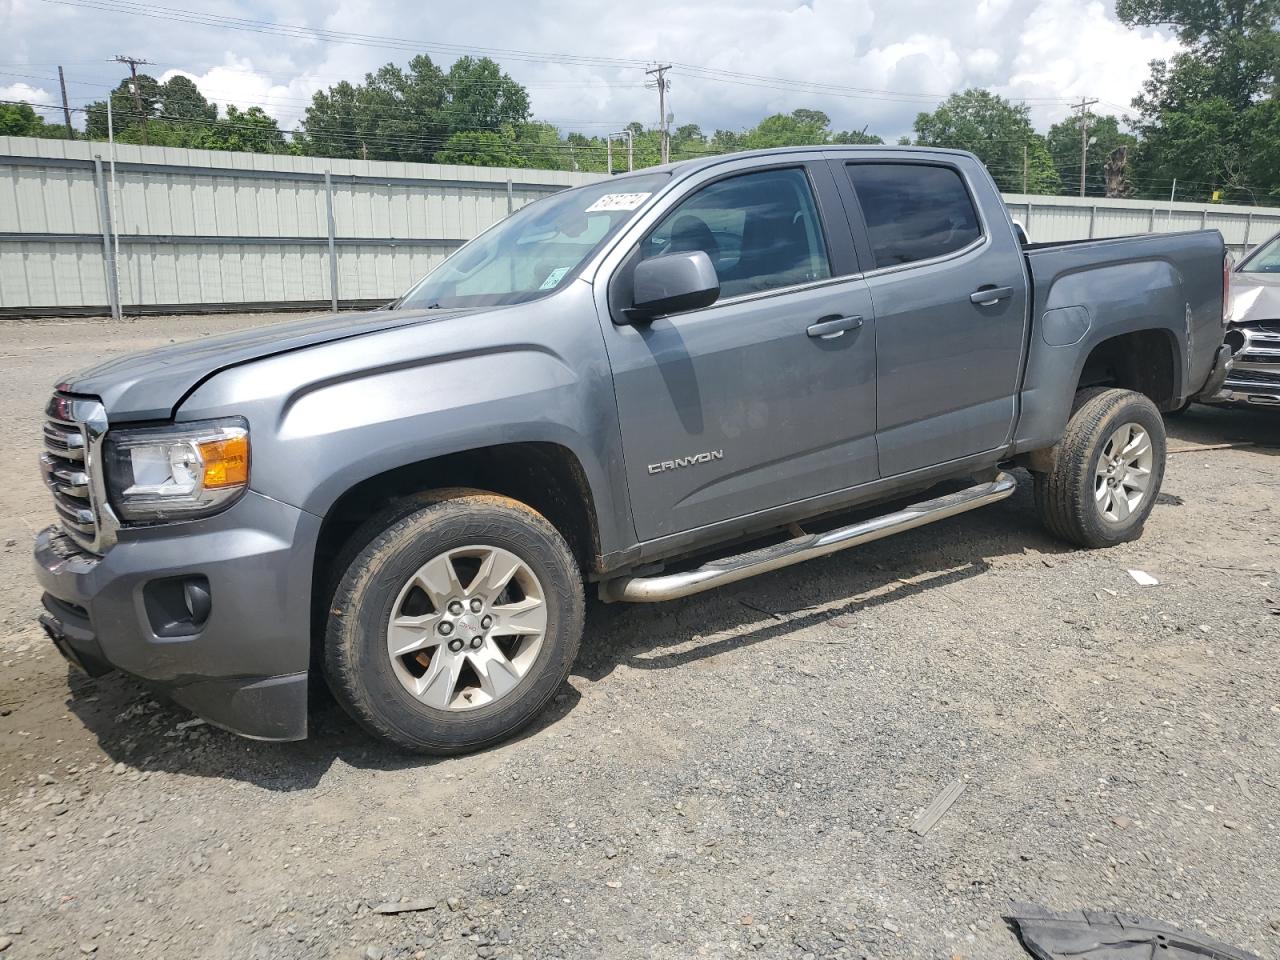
(828,328)
(986,296)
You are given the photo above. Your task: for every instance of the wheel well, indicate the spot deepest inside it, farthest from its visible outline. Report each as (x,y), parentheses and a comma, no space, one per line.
(1144,361)
(545,476)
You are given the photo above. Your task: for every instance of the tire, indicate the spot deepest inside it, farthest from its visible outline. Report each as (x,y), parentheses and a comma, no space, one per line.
(432,699)
(1072,497)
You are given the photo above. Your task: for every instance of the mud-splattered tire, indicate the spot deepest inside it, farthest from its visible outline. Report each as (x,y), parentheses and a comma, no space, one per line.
(1106,470)
(457,616)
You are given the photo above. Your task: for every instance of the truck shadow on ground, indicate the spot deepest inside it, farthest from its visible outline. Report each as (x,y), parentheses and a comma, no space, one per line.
(130,727)
(145,732)
(1247,426)
(836,588)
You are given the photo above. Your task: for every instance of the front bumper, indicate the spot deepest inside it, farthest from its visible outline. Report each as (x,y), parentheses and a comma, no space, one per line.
(243,668)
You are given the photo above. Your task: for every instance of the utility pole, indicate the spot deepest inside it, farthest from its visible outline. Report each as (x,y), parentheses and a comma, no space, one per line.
(663,84)
(1083,106)
(134,63)
(66,107)
(1024,169)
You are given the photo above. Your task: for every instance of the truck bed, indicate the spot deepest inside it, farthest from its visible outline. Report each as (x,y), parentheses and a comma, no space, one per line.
(1087,292)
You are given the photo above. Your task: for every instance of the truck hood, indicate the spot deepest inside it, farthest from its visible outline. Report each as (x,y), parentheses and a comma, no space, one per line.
(1255,296)
(151,384)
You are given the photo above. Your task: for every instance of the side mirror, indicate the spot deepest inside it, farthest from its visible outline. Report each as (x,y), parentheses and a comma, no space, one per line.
(671,283)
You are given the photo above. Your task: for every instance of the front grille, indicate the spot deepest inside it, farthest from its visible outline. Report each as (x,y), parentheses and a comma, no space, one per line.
(1246,377)
(73,432)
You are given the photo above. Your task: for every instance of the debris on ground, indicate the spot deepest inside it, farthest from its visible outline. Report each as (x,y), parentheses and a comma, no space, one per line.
(1093,935)
(935,811)
(404,906)
(1144,579)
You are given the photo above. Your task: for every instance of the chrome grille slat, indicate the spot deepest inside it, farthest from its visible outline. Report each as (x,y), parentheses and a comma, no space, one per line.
(72,434)
(63,441)
(61,479)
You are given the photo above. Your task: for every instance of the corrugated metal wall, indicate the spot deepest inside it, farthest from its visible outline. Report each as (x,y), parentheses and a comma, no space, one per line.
(202,229)
(1080,218)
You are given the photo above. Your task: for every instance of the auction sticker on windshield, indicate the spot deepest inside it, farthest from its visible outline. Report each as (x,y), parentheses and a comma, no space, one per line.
(554,277)
(618,201)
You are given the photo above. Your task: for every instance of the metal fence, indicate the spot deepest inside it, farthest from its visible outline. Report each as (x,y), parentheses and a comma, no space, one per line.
(1082,218)
(199,229)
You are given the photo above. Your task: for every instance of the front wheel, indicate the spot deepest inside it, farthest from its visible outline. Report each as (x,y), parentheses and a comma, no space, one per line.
(1106,470)
(452,628)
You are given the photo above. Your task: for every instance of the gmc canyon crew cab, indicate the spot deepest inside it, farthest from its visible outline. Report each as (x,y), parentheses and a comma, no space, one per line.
(654,384)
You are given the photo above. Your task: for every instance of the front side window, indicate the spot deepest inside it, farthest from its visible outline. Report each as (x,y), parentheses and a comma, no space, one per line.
(1266,259)
(761,231)
(913,211)
(536,250)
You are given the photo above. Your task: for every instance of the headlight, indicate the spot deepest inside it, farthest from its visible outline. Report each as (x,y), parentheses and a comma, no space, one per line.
(177,472)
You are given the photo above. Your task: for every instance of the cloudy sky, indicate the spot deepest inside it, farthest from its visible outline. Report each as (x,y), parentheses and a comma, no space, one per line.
(872,63)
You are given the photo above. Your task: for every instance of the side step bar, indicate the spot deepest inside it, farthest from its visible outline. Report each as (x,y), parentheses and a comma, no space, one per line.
(717,573)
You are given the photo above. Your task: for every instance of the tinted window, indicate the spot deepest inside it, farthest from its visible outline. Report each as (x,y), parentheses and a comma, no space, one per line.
(913,211)
(761,231)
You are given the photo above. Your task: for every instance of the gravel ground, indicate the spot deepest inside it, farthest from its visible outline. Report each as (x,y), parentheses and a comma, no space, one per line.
(730,775)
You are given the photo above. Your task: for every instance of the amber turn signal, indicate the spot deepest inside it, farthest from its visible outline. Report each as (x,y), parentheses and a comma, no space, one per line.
(226,462)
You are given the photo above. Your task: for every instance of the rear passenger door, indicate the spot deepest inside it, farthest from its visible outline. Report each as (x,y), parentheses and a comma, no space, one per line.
(949,292)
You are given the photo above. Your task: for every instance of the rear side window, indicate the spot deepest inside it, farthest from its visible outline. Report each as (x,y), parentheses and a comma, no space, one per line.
(913,211)
(761,231)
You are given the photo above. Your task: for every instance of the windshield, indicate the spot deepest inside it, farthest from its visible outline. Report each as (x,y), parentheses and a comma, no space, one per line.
(1266,259)
(535,250)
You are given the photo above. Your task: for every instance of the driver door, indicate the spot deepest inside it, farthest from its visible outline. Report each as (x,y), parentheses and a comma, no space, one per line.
(744,405)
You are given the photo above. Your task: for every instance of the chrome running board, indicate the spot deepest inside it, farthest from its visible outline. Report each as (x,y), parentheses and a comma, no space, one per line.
(717,573)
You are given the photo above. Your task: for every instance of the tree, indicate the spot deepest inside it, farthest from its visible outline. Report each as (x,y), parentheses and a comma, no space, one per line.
(179,99)
(176,103)
(416,113)
(479,96)
(1063,141)
(1204,114)
(20,120)
(252,131)
(999,133)
(125,114)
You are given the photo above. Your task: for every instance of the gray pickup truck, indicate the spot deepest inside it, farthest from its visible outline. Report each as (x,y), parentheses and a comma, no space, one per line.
(655,384)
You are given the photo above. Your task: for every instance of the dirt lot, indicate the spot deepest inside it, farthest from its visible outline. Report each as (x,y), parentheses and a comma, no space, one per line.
(734,774)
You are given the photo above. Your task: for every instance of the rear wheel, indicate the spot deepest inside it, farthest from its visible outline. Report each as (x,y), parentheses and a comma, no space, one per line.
(452,628)
(1107,470)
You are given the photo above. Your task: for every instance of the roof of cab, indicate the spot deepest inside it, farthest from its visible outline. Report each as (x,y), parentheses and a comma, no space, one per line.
(685,167)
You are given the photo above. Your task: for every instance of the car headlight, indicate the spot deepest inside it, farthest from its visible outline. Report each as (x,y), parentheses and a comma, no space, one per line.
(177,472)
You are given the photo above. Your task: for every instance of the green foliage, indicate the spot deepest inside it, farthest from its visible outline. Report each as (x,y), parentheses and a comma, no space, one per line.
(1206,116)
(414,114)
(1063,141)
(176,114)
(529,145)
(20,120)
(999,133)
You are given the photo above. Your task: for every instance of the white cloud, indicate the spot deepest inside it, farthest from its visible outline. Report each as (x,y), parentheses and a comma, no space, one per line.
(1044,50)
(1068,49)
(27,93)
(236,81)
